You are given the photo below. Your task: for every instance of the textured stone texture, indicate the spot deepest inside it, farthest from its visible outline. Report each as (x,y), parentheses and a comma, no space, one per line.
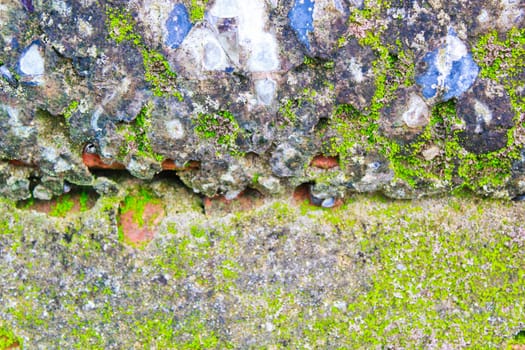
(427,273)
(132,133)
(433,91)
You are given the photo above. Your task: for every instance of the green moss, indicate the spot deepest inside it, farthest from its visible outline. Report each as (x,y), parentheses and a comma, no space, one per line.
(360,130)
(83,201)
(8,339)
(63,206)
(229,269)
(421,271)
(70,109)
(356,129)
(194,333)
(87,338)
(159,74)
(255,178)
(157,71)
(432,284)
(197,9)
(289,107)
(122,26)
(136,203)
(121,237)
(400,274)
(184,252)
(519,339)
(136,136)
(221,127)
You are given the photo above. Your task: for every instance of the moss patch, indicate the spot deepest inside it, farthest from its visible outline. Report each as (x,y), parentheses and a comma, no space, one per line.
(454,167)
(8,339)
(197,8)
(137,138)
(122,28)
(77,201)
(221,127)
(372,273)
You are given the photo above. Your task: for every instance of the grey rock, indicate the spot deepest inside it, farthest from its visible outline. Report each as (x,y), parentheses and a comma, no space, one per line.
(42,193)
(488,116)
(406,116)
(134,78)
(105,186)
(32,64)
(287,161)
(355,82)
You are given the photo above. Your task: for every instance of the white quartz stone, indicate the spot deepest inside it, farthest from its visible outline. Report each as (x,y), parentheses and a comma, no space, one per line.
(256,43)
(61,7)
(201,51)
(175,129)
(417,115)
(431,152)
(483,115)
(356,70)
(264,55)
(32,63)
(483,16)
(214,57)
(225,9)
(265,90)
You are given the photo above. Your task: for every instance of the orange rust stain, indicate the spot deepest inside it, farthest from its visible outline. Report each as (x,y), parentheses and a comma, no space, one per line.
(134,232)
(324,162)
(93,161)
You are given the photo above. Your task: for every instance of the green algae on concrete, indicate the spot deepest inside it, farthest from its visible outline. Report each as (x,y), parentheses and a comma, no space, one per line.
(443,272)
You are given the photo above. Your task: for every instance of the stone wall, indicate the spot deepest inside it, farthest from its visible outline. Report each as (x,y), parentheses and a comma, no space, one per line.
(411,98)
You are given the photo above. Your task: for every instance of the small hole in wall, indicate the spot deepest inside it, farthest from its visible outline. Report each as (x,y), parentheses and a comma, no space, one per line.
(321,125)
(303,194)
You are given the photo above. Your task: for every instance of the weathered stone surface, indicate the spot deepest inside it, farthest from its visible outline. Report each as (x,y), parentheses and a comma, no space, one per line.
(133,132)
(488,116)
(451,70)
(425,86)
(307,276)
